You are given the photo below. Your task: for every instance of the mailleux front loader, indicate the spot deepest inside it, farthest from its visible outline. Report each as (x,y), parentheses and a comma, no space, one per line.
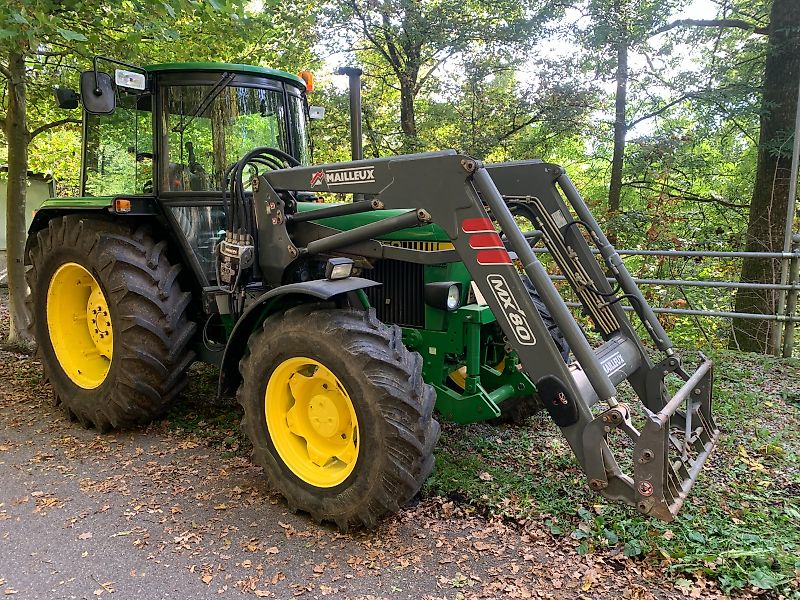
(340,326)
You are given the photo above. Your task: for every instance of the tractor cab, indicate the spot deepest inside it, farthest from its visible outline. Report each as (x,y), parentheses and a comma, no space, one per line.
(168,133)
(177,127)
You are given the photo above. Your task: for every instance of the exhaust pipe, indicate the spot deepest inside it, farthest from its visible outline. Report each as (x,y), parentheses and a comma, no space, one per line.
(354,76)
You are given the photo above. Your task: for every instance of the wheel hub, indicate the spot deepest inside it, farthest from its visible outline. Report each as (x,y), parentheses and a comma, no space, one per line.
(312,422)
(323,416)
(99,321)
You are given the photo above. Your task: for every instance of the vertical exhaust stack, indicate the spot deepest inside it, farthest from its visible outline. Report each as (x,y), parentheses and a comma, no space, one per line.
(354,76)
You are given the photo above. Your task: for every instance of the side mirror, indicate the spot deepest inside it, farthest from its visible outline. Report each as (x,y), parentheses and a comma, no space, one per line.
(66,98)
(316,112)
(97,93)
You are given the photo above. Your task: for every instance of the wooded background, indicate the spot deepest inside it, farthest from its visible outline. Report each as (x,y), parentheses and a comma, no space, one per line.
(674,118)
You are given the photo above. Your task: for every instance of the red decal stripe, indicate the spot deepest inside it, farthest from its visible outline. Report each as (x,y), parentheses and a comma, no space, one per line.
(482,224)
(493,257)
(485,240)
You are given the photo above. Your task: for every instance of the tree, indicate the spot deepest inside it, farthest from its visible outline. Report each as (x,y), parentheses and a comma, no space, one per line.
(618,28)
(765,229)
(411,40)
(492,113)
(737,35)
(36,33)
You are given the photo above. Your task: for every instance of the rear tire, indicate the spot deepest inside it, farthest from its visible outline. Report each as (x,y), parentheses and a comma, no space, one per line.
(384,413)
(140,364)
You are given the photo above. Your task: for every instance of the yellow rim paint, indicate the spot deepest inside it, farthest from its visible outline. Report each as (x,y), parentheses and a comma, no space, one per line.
(459,376)
(79,324)
(312,422)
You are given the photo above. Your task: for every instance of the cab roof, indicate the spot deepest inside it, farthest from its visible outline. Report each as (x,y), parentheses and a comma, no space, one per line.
(229,67)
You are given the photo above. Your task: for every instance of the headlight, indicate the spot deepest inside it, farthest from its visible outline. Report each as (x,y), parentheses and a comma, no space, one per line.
(444,295)
(453,297)
(338,268)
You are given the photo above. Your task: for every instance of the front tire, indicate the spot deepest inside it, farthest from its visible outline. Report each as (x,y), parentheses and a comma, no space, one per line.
(109,319)
(517,410)
(337,412)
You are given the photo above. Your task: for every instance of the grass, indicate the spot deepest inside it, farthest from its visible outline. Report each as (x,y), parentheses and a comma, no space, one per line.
(740,526)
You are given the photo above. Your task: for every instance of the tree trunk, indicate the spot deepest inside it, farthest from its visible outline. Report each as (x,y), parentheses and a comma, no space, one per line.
(771,192)
(17,139)
(620,126)
(408,119)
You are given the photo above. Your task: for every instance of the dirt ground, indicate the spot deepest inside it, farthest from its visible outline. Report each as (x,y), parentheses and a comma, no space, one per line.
(163,513)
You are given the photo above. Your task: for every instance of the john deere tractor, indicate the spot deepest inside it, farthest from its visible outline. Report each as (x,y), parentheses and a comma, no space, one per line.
(343,303)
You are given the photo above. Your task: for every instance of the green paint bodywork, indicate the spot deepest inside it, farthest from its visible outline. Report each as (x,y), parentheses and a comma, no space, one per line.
(467,337)
(85,202)
(229,68)
(472,339)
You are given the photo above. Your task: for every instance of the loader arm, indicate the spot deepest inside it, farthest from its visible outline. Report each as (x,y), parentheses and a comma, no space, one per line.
(469,201)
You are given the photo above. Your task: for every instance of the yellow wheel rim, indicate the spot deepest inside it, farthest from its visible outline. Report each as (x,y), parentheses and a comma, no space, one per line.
(312,422)
(79,324)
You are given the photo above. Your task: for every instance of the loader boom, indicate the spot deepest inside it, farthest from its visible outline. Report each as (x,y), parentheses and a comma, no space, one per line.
(469,201)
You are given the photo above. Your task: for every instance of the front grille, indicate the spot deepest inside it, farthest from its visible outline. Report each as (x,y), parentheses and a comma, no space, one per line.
(400,299)
(421,246)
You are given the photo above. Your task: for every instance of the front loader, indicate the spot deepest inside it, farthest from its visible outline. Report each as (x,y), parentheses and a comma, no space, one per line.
(201,234)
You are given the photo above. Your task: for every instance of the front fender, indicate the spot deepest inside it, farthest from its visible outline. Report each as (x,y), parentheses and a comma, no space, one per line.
(274,300)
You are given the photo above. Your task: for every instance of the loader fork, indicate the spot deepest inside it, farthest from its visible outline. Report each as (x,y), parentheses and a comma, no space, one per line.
(469,201)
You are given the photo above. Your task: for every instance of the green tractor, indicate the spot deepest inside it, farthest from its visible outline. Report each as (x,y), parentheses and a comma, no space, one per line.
(201,234)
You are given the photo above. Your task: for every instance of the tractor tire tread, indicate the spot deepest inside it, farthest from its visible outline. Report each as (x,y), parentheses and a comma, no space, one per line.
(405,406)
(151,320)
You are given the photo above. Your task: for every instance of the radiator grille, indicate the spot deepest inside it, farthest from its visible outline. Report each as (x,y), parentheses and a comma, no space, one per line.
(421,246)
(400,299)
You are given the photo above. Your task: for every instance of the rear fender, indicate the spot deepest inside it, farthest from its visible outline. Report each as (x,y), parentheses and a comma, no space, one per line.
(95,207)
(275,300)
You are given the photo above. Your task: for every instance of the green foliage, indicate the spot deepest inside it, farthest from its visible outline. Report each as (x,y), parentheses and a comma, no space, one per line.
(65,35)
(501,81)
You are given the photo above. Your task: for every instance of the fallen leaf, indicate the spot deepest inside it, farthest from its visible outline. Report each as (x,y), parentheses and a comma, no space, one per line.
(588,580)
(85,536)
(484,476)
(206,579)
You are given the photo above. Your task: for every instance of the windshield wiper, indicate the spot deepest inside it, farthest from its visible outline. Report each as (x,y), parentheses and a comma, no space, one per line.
(215,91)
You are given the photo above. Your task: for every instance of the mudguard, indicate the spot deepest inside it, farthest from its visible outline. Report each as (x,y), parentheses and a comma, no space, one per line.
(272,301)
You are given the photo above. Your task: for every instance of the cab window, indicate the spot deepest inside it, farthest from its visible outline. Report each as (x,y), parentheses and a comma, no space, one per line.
(119,149)
(207,128)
